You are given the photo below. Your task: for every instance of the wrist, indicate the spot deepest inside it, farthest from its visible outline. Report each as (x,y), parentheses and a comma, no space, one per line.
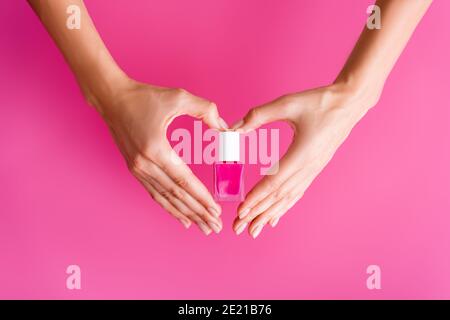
(359,93)
(102,90)
(100,80)
(367,90)
(351,99)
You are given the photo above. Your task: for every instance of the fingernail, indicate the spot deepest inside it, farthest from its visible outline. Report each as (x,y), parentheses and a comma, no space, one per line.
(241,228)
(243,213)
(257,231)
(206,230)
(274,222)
(237,125)
(215,227)
(185,223)
(214,211)
(223,124)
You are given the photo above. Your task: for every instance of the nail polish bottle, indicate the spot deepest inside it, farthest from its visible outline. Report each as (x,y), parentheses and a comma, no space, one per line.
(228,171)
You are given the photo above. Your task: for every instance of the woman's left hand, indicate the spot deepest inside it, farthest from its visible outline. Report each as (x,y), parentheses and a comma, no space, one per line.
(321,119)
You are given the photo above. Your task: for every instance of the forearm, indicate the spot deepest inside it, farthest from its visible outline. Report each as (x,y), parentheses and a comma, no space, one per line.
(95,69)
(377,50)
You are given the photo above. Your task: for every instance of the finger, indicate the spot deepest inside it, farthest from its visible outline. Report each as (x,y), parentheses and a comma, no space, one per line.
(201,109)
(291,191)
(298,192)
(238,227)
(182,175)
(284,190)
(259,223)
(165,204)
(274,221)
(288,166)
(260,214)
(259,208)
(154,172)
(161,193)
(204,227)
(273,218)
(258,116)
(276,218)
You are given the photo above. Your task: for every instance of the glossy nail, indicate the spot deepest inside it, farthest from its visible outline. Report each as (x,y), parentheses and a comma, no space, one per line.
(215,226)
(186,223)
(241,228)
(257,231)
(274,222)
(243,213)
(204,227)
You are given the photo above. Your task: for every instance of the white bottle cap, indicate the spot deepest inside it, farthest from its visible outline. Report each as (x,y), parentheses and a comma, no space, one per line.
(229,146)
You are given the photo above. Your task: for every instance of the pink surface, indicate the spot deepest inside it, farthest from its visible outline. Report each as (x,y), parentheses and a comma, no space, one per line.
(66,196)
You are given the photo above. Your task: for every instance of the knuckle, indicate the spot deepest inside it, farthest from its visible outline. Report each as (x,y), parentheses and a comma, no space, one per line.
(212,107)
(182,182)
(148,151)
(287,101)
(327,97)
(180,92)
(254,114)
(152,149)
(193,217)
(177,193)
(165,194)
(202,216)
(289,197)
(150,168)
(189,215)
(279,194)
(137,164)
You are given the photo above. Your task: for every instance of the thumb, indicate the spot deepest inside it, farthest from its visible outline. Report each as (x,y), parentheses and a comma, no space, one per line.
(205,110)
(261,115)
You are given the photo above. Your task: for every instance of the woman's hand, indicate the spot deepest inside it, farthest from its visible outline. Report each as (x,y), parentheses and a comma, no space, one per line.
(138,115)
(321,119)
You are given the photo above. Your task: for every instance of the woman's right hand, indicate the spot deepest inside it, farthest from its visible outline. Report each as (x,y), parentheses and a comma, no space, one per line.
(138,116)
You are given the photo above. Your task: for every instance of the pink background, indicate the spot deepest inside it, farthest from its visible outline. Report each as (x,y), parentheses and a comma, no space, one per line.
(66,196)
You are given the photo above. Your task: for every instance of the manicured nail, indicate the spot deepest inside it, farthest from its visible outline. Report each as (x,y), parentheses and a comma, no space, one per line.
(257,231)
(243,213)
(215,227)
(237,125)
(186,223)
(214,211)
(241,228)
(223,124)
(206,230)
(274,222)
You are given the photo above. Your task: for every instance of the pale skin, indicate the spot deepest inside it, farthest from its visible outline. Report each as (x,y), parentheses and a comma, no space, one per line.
(322,118)
(138,115)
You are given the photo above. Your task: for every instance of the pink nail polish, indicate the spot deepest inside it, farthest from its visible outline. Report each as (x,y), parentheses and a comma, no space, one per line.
(228,171)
